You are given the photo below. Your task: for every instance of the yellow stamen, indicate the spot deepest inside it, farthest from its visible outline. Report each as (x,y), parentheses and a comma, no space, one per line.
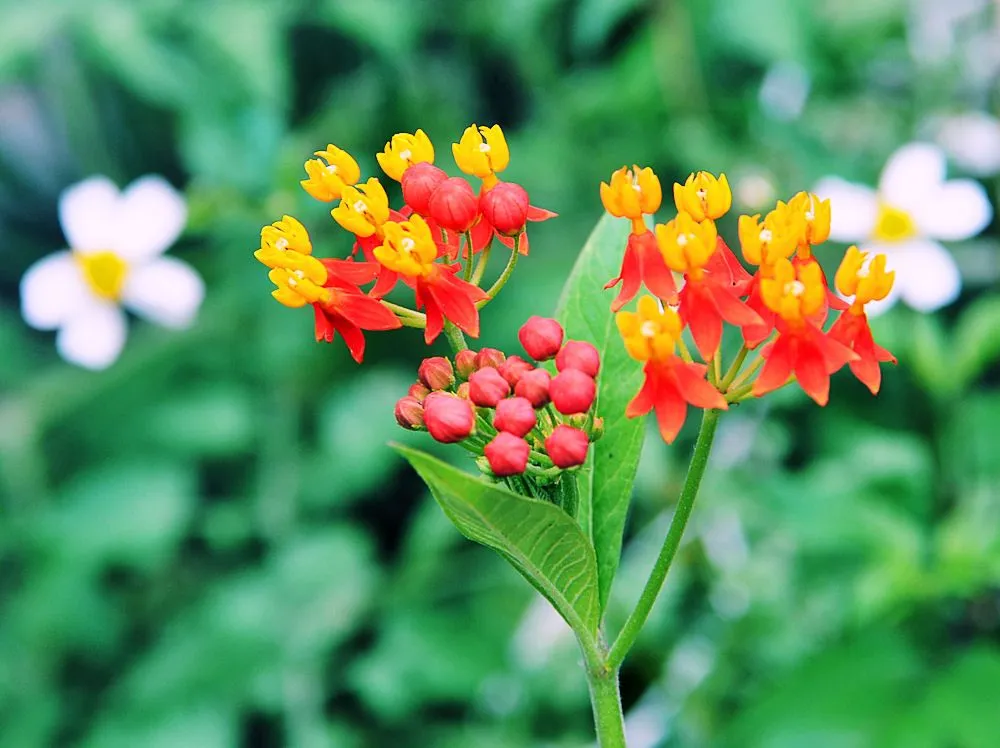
(893,224)
(104,272)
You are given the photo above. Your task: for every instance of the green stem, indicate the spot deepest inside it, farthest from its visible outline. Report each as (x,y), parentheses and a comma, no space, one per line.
(743,378)
(734,369)
(404,313)
(606,699)
(738,394)
(467,272)
(504,276)
(455,337)
(696,470)
(484,258)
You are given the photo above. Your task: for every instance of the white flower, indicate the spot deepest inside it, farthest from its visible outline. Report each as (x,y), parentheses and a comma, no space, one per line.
(116,240)
(912,209)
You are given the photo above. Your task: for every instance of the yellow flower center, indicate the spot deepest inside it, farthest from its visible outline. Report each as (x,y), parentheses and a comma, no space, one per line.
(104,273)
(893,224)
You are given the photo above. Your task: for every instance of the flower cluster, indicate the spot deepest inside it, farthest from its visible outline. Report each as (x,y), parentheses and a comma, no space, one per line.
(437,243)
(519,418)
(698,284)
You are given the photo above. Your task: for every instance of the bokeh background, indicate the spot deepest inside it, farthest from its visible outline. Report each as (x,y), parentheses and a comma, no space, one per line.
(209,544)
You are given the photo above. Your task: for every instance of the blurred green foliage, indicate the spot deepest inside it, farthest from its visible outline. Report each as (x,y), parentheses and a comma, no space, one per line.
(210,544)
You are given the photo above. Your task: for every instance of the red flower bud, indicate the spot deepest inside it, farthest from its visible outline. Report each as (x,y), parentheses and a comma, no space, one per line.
(515,415)
(453,205)
(409,413)
(487,387)
(418,390)
(567,446)
(507,454)
(465,362)
(534,387)
(436,373)
(541,337)
(489,357)
(463,391)
(514,368)
(577,354)
(506,207)
(572,391)
(418,183)
(448,417)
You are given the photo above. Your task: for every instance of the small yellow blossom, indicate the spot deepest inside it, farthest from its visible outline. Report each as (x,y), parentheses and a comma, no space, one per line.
(651,332)
(296,288)
(777,236)
(795,292)
(408,248)
(815,221)
(330,173)
(281,237)
(403,151)
(686,244)
(632,193)
(863,277)
(704,196)
(363,209)
(482,151)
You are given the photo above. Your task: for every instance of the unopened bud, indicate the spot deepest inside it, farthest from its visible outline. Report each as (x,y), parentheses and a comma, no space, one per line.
(572,391)
(505,206)
(418,390)
(534,387)
(437,373)
(507,454)
(463,391)
(489,357)
(465,363)
(514,368)
(409,413)
(541,337)
(597,429)
(578,354)
(454,205)
(487,387)
(419,182)
(448,417)
(567,446)
(515,415)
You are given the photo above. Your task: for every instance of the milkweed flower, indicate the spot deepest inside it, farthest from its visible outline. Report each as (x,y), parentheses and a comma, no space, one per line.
(114,261)
(328,174)
(906,218)
(403,151)
(482,152)
(650,335)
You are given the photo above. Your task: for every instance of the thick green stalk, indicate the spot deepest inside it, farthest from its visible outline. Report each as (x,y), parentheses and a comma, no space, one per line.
(504,277)
(605,697)
(696,470)
(455,337)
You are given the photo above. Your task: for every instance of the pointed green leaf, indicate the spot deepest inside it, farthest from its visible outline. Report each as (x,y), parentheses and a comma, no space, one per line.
(539,539)
(605,483)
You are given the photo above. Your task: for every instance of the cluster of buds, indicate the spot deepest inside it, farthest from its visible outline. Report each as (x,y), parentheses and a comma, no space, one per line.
(697,284)
(437,243)
(516,415)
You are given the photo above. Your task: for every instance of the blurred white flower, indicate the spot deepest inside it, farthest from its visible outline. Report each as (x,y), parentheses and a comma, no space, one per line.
(114,260)
(972,140)
(912,209)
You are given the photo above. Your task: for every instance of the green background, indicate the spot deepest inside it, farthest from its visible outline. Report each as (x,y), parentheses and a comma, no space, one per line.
(210,544)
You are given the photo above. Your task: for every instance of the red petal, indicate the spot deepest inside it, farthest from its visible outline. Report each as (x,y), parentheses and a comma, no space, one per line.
(734,311)
(352,336)
(643,402)
(778,366)
(324,327)
(457,300)
(365,312)
(630,277)
(811,371)
(835,355)
(653,269)
(351,272)
(539,214)
(671,410)
(367,245)
(386,282)
(482,234)
(695,389)
(700,314)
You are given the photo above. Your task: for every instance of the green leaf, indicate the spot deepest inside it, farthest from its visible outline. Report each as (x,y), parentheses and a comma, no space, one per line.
(539,539)
(976,343)
(605,483)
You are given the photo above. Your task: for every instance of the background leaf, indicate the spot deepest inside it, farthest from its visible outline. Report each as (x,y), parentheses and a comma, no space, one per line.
(606,481)
(540,540)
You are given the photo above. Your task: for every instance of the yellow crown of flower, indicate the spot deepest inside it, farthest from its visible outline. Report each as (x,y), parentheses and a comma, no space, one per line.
(363,209)
(765,242)
(408,247)
(686,244)
(330,173)
(795,291)
(482,152)
(651,332)
(632,193)
(296,288)
(863,277)
(403,151)
(815,215)
(703,195)
(281,237)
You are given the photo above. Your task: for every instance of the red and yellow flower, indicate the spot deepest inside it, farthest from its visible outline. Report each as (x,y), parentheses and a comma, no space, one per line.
(482,152)
(330,173)
(403,151)
(703,196)
(650,335)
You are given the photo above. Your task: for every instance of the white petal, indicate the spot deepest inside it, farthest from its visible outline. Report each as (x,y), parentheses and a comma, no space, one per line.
(166,291)
(927,277)
(912,175)
(853,208)
(151,215)
(52,290)
(88,211)
(959,209)
(94,337)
